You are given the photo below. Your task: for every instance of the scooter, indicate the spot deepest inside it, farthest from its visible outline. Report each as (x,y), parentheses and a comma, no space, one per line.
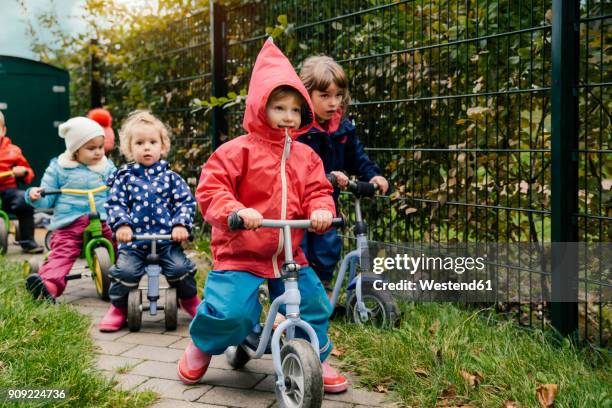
(364,304)
(135,304)
(299,378)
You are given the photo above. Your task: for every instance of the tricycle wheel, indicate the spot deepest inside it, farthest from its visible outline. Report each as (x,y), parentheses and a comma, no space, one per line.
(134,317)
(101,264)
(236,356)
(303,376)
(3,237)
(48,237)
(170,309)
(382,309)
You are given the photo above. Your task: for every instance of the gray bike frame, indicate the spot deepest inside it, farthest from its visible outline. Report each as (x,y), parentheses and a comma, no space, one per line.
(154,270)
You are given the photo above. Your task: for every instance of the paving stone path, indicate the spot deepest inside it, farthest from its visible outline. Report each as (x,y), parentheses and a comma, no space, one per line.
(146,360)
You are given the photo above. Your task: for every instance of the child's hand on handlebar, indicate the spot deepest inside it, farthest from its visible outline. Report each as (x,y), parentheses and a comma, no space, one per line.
(381,182)
(180,233)
(35,193)
(124,234)
(320,220)
(341,179)
(251,217)
(19,171)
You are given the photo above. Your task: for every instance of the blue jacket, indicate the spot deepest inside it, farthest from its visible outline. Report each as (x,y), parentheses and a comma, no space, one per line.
(340,150)
(151,200)
(64,172)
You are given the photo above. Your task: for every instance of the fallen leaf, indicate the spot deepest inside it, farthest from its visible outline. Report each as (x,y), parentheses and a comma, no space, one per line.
(449,392)
(472,379)
(421,372)
(382,389)
(511,404)
(433,329)
(337,352)
(546,394)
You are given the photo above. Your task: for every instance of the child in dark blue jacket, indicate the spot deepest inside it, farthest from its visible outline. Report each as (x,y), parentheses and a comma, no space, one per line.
(334,139)
(146,197)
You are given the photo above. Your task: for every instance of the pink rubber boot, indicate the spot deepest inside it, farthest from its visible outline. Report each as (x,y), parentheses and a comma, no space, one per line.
(114,319)
(333,381)
(190,305)
(193,364)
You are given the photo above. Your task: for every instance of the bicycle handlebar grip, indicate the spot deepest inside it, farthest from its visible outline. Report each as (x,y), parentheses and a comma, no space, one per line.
(338,222)
(50,192)
(234,222)
(362,188)
(332,179)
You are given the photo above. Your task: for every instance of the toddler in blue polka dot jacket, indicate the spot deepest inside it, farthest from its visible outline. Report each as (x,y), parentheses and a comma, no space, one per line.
(146,197)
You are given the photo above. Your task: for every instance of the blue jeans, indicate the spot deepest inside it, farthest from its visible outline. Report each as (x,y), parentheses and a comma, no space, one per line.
(176,267)
(231,308)
(323,252)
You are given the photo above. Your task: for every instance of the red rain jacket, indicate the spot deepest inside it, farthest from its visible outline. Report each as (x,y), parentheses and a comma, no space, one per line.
(11,156)
(264,170)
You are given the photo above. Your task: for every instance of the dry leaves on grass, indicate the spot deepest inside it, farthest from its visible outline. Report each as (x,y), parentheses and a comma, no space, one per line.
(511,404)
(337,352)
(433,329)
(472,379)
(546,394)
(421,372)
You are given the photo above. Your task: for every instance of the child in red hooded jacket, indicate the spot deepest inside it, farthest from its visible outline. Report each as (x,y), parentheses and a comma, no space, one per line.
(13,199)
(262,174)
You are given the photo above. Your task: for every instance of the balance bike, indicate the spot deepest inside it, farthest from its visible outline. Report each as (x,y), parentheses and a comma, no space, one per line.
(299,377)
(363,304)
(97,250)
(153,270)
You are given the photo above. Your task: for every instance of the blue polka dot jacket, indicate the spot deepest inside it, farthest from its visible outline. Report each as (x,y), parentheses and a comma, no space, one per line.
(151,200)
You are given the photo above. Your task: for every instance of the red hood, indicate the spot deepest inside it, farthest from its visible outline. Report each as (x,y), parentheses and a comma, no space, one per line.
(331,125)
(272,69)
(4,142)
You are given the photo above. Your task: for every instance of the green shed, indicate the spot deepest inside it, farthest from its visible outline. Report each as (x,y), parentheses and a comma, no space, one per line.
(34,98)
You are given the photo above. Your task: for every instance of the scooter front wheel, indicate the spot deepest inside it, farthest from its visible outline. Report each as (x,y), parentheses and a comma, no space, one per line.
(134,317)
(101,265)
(382,309)
(303,376)
(48,237)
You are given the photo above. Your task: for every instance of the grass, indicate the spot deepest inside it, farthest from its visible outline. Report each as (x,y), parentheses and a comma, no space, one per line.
(48,346)
(430,359)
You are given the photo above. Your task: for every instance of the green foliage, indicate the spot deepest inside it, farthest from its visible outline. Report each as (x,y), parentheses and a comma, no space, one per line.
(441,355)
(47,347)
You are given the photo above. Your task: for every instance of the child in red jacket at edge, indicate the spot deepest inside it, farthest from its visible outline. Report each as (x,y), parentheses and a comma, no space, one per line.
(13,199)
(262,174)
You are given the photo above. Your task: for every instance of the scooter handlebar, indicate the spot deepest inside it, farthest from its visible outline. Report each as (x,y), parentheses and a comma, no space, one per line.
(235,222)
(50,191)
(152,237)
(358,188)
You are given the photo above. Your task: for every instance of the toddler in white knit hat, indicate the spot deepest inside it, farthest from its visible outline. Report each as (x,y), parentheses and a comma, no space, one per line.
(82,166)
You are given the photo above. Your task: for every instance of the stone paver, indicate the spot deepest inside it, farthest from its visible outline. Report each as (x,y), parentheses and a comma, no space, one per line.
(146,360)
(238,398)
(116,362)
(172,403)
(128,381)
(156,369)
(174,389)
(148,339)
(113,347)
(165,354)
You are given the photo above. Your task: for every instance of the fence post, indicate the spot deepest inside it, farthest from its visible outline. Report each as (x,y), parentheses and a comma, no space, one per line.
(564,180)
(219,88)
(95,89)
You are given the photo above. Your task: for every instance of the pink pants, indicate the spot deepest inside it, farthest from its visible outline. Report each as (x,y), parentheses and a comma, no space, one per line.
(66,246)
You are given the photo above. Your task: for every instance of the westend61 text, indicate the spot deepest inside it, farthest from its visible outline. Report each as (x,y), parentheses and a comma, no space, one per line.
(431,285)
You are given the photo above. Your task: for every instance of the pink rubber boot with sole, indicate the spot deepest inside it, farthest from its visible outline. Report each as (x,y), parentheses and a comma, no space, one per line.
(333,381)
(114,319)
(193,364)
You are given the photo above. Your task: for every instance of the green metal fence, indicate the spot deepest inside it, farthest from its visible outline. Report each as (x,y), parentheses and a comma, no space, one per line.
(490,118)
